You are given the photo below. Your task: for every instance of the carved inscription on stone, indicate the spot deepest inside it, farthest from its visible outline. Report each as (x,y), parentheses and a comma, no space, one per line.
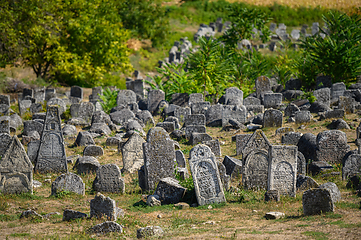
(206,179)
(109,179)
(282,169)
(257,141)
(255,170)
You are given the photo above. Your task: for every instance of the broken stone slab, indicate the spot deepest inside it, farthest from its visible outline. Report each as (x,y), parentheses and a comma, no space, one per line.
(199,138)
(69,214)
(84,139)
(169,191)
(150,231)
(305,182)
(93,150)
(316,201)
(272,195)
(317,167)
(233,166)
(335,192)
(68,182)
(153,200)
(87,164)
(107,227)
(102,206)
(274,215)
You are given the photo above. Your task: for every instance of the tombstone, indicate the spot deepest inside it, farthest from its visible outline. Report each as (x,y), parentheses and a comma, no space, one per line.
(233,167)
(305,183)
(59,102)
(132,153)
(16,170)
(272,100)
(233,95)
(307,145)
(121,117)
(214,146)
(179,156)
(102,206)
(251,101)
(93,150)
(24,106)
(181,113)
(50,93)
(317,201)
(263,84)
(51,156)
(315,28)
(27,92)
(5,124)
(84,139)
(301,163)
(290,110)
(273,27)
(323,95)
(200,107)
(323,82)
(96,92)
(272,46)
(87,164)
(195,97)
(272,118)
(283,130)
(169,191)
(333,189)
(304,29)
(241,141)
(234,112)
(159,157)
(207,182)
(154,98)
(109,179)
(4,105)
(126,97)
(282,170)
(351,166)
(331,146)
(337,90)
(347,104)
(77,92)
(68,182)
(295,34)
(194,120)
(255,169)
(36,108)
(194,129)
(303,117)
(86,111)
(214,115)
(180,99)
(33,148)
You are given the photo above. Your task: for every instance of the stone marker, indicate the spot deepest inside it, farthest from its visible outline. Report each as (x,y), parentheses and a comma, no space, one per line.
(195,97)
(102,206)
(233,96)
(87,164)
(59,102)
(132,153)
(214,145)
(126,97)
(51,155)
(200,107)
(169,191)
(351,166)
(150,231)
(303,117)
(206,179)
(258,140)
(317,201)
(255,169)
(272,118)
(331,146)
(263,84)
(282,170)
(323,96)
(5,124)
(337,90)
(109,179)
(16,170)
(333,189)
(69,214)
(159,157)
(272,100)
(154,98)
(234,112)
(179,156)
(291,138)
(107,227)
(307,146)
(233,166)
(84,139)
(301,163)
(272,195)
(77,92)
(93,150)
(68,182)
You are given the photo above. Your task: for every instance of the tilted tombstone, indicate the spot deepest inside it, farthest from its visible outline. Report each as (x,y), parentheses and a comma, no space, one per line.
(233,166)
(238,113)
(195,97)
(180,99)
(16,170)
(337,90)
(33,148)
(272,118)
(169,191)
(51,155)
(263,84)
(77,92)
(159,157)
(207,182)
(154,98)
(302,117)
(132,153)
(39,95)
(50,93)
(109,179)
(331,146)
(197,137)
(68,182)
(5,140)
(32,125)
(195,120)
(282,171)
(323,96)
(301,163)
(232,95)
(351,166)
(214,145)
(290,110)
(126,97)
(317,201)
(181,161)
(181,113)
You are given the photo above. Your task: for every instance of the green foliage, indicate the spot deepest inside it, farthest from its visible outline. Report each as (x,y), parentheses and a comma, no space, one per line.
(109,98)
(339,53)
(243,21)
(8,217)
(75,42)
(145,18)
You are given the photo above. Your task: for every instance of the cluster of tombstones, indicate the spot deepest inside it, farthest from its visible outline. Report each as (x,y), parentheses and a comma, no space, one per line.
(279,169)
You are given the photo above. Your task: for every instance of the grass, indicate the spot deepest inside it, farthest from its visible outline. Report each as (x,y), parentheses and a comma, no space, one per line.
(316,235)
(19,235)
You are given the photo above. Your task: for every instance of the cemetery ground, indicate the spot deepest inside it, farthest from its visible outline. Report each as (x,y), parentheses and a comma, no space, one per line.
(242,216)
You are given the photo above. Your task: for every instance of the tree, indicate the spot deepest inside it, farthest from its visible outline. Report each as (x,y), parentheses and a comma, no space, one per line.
(73,41)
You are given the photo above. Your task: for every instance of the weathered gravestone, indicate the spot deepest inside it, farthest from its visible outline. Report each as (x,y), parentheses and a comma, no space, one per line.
(241,141)
(263,84)
(282,171)
(181,162)
(76,92)
(86,110)
(68,182)
(4,105)
(195,97)
(24,106)
(159,157)
(251,101)
(351,166)
(317,201)
(272,100)
(302,117)
(200,107)
(206,179)
(16,170)
(181,113)
(132,153)
(102,206)
(256,161)
(169,191)
(180,99)
(126,97)
(59,102)
(233,166)
(51,155)
(348,104)
(272,118)
(5,140)
(307,146)
(109,179)
(154,98)
(337,90)
(233,96)
(301,163)
(5,124)
(331,146)
(323,96)
(238,113)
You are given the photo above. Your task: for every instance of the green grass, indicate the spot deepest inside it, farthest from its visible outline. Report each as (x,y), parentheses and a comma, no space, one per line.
(316,235)
(19,235)
(342,224)
(8,217)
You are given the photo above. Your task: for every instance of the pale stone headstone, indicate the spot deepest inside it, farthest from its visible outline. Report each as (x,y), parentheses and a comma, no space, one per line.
(195,120)
(251,101)
(337,90)
(238,113)
(68,182)
(200,107)
(233,95)
(159,157)
(255,169)
(24,106)
(169,191)
(258,140)
(16,170)
(303,117)
(272,100)
(126,97)
(86,110)
(181,162)
(109,179)
(333,189)
(59,102)
(323,95)
(206,179)
(214,115)
(263,84)
(5,124)
(351,166)
(317,201)
(272,118)
(331,146)
(181,113)
(51,155)
(241,141)
(154,98)
(132,153)
(102,206)
(214,145)
(282,170)
(301,163)
(233,166)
